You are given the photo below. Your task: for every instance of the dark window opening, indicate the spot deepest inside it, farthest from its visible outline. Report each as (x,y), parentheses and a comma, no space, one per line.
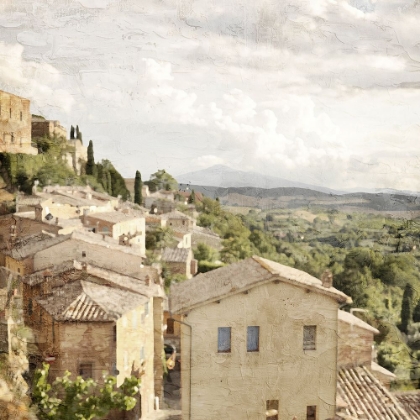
(224,340)
(253,339)
(10,112)
(12,137)
(309,337)
(21,115)
(114,331)
(272,409)
(83,254)
(170,326)
(86,370)
(311,412)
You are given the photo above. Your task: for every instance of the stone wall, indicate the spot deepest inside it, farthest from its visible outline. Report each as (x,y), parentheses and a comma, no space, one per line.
(15,124)
(355,345)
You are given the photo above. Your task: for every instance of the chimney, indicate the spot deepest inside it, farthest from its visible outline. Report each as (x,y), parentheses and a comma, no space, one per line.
(85,214)
(46,285)
(327,279)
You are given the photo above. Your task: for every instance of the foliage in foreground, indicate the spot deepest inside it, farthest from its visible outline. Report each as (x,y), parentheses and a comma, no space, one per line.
(81,399)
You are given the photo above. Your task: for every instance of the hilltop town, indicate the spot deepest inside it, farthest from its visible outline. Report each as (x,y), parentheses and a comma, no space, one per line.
(92,282)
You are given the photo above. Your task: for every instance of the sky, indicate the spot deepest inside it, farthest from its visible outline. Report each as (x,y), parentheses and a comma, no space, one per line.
(324,92)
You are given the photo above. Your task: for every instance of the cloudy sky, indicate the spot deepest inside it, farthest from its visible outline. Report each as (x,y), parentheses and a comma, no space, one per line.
(324,92)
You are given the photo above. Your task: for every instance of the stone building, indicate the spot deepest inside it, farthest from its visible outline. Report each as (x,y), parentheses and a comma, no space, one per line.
(259,340)
(180,261)
(15,124)
(89,321)
(41,127)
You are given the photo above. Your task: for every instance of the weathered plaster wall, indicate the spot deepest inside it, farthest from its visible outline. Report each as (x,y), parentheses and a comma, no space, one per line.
(135,351)
(237,385)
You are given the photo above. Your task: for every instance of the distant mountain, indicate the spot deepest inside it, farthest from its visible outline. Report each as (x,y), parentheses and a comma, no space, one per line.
(225,177)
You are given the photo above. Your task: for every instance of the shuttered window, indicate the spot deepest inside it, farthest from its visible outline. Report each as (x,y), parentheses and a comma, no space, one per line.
(309,337)
(253,339)
(224,340)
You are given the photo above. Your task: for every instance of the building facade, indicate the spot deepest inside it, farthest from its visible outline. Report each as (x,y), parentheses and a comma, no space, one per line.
(258,341)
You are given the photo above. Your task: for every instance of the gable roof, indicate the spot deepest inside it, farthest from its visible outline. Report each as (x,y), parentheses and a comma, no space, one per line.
(238,277)
(86,301)
(176,254)
(366,397)
(349,318)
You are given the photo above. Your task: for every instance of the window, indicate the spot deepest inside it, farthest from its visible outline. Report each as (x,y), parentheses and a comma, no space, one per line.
(309,337)
(83,253)
(272,409)
(21,115)
(253,339)
(311,412)
(170,326)
(12,137)
(86,370)
(223,339)
(30,307)
(10,112)
(114,331)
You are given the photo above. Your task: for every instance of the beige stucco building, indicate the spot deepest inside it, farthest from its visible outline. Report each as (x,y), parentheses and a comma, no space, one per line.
(128,229)
(259,340)
(15,124)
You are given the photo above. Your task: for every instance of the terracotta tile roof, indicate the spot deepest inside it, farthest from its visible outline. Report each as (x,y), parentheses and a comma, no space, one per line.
(238,277)
(366,397)
(175,254)
(86,301)
(411,402)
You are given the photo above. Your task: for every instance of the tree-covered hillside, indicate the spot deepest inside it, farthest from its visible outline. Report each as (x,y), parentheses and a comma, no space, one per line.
(373,259)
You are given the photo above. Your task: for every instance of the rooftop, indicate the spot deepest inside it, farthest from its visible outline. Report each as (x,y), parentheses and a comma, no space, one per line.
(349,318)
(86,301)
(114,216)
(367,398)
(175,254)
(72,270)
(238,277)
(29,245)
(410,400)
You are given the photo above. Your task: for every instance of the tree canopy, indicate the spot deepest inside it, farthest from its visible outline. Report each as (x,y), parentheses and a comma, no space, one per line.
(82,399)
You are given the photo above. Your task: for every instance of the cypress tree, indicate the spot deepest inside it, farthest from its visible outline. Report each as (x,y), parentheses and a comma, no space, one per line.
(90,165)
(77,131)
(109,182)
(71,133)
(138,185)
(191,198)
(407,308)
